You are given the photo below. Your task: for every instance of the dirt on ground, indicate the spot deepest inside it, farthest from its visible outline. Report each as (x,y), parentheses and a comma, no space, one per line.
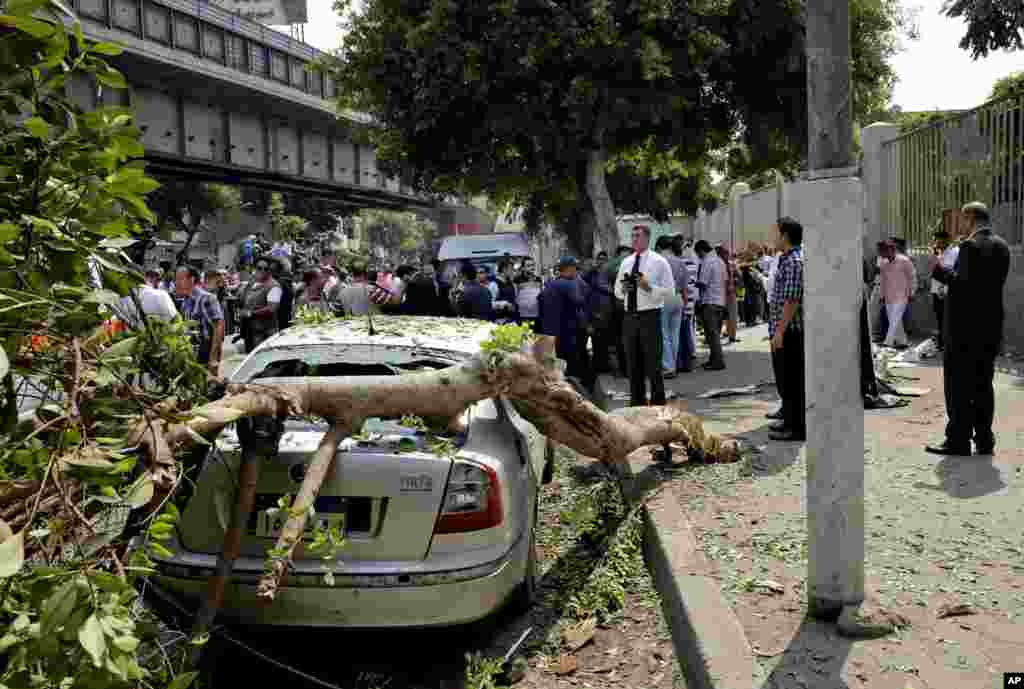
(596,591)
(944,541)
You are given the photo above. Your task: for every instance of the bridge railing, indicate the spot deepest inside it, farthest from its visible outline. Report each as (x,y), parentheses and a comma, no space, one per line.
(247,45)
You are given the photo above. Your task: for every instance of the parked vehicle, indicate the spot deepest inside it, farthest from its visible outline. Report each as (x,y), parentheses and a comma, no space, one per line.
(431,537)
(482,250)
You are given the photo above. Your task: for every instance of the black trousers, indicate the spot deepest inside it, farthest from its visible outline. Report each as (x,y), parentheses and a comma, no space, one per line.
(868,384)
(794,406)
(712,317)
(939,307)
(970,399)
(644,346)
(779,369)
(616,336)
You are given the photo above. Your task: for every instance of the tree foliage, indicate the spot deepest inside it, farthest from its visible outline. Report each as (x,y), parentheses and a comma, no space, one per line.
(1010,85)
(991,25)
(285,227)
(182,205)
(533,102)
(71,198)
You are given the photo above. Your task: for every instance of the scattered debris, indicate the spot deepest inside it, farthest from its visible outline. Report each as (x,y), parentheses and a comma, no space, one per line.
(769,586)
(857,622)
(579,635)
(730,392)
(956,610)
(911,391)
(566,665)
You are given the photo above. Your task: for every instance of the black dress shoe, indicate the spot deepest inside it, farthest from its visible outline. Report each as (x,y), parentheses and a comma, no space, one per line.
(789,437)
(950,450)
(777,427)
(714,367)
(776,415)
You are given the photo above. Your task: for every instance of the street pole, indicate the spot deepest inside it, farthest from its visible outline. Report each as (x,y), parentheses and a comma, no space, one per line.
(832,206)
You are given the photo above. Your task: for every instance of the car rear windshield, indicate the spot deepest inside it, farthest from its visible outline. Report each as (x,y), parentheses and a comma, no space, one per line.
(332,361)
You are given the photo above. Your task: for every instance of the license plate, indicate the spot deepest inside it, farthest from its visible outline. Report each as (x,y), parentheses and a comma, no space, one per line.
(330,513)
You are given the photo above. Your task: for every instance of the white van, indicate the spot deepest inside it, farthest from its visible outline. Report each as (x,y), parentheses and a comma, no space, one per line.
(482,250)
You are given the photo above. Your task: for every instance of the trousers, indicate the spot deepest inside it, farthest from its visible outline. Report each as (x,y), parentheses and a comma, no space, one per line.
(687,344)
(712,316)
(671,319)
(896,335)
(641,334)
(970,399)
(794,405)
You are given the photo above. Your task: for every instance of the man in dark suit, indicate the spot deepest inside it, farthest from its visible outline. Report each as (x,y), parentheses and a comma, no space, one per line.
(427,293)
(972,334)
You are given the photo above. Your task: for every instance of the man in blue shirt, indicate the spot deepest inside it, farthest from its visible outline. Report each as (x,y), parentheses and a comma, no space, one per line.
(561,316)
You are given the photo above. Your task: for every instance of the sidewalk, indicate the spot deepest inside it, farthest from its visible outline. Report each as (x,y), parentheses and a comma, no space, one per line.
(939,532)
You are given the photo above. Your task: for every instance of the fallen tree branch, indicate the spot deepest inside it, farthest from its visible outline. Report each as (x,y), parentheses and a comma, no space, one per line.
(527,378)
(298,514)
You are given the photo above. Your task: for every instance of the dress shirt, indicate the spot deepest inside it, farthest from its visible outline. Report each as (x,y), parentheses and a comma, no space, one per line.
(897,280)
(711,280)
(679,276)
(659,276)
(948,261)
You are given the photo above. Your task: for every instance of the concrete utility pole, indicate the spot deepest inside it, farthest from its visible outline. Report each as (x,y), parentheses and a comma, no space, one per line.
(832,211)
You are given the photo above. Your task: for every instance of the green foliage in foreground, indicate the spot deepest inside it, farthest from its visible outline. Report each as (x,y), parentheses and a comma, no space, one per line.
(72,200)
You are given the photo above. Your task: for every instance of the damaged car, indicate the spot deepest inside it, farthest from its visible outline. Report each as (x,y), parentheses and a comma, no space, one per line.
(438,529)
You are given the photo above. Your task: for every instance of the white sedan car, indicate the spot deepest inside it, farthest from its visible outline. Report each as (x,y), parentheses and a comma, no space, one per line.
(430,539)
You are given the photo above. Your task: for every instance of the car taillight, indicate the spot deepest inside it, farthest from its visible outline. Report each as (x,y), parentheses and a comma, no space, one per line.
(472,499)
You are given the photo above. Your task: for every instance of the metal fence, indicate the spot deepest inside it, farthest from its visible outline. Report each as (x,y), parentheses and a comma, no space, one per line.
(977,155)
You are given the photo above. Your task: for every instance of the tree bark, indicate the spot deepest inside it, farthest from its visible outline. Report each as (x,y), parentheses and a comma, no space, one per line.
(296,524)
(528,378)
(606,230)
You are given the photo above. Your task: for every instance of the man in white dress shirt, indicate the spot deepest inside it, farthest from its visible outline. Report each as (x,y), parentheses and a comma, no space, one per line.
(643,282)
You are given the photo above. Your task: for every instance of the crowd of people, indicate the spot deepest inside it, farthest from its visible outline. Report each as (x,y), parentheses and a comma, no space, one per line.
(636,314)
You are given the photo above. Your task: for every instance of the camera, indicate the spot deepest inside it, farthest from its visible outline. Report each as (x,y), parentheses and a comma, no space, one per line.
(631,279)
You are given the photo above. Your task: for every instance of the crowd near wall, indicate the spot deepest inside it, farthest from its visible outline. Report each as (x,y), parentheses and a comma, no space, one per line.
(914,183)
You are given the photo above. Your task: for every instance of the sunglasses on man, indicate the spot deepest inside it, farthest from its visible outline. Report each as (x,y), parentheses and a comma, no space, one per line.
(262,266)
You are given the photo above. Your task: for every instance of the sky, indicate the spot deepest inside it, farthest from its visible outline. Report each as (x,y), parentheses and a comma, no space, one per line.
(933,71)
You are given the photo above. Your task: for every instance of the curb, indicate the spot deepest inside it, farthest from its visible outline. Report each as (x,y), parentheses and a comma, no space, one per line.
(710,645)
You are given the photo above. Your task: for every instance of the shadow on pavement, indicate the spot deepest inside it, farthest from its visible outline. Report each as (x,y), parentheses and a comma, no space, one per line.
(966,477)
(814,658)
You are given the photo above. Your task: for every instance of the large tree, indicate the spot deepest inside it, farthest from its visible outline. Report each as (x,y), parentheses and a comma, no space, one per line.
(534,99)
(991,25)
(566,107)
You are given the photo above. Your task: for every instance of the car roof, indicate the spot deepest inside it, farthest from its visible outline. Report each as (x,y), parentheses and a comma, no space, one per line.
(484,246)
(462,335)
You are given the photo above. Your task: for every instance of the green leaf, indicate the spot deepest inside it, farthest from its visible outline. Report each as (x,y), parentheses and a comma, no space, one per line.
(103,296)
(24,8)
(108,49)
(160,550)
(5,364)
(183,681)
(91,638)
(33,27)
(12,554)
(112,78)
(114,228)
(128,644)
(58,607)
(141,493)
(37,127)
(121,348)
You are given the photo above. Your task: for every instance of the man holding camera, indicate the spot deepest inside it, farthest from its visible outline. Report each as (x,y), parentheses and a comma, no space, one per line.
(644,280)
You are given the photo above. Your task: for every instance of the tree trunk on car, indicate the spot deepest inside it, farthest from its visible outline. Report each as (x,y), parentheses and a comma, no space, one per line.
(529,378)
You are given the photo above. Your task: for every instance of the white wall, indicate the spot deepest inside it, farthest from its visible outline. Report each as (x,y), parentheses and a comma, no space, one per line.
(751,220)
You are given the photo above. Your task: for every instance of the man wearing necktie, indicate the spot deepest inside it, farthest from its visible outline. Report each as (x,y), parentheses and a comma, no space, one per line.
(643,282)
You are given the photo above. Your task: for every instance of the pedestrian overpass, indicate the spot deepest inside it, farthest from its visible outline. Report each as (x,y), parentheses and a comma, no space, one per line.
(220,98)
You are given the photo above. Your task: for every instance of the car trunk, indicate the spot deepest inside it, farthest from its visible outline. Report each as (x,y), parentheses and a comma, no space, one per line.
(384,494)
(384,490)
